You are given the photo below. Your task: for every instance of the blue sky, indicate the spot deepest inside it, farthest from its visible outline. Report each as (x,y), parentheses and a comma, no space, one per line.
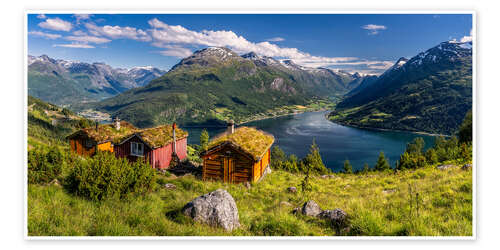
(368,43)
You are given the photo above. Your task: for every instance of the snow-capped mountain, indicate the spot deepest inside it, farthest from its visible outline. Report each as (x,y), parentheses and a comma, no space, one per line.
(63,81)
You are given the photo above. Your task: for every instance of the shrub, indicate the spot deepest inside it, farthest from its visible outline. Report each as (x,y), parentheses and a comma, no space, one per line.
(465,130)
(105,176)
(43,167)
(347,167)
(313,163)
(382,163)
(278,157)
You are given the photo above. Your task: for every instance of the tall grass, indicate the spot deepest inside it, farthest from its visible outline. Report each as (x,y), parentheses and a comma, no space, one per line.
(377,203)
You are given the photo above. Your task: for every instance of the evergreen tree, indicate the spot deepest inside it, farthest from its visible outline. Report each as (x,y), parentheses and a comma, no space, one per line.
(465,131)
(382,163)
(312,162)
(347,167)
(278,158)
(366,168)
(204,138)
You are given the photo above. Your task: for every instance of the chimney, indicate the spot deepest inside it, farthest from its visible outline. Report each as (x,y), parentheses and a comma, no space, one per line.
(174,146)
(230,127)
(117,123)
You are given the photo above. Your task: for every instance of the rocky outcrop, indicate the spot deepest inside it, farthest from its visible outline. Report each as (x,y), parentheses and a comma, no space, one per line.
(216,208)
(444,167)
(311,208)
(292,189)
(467,167)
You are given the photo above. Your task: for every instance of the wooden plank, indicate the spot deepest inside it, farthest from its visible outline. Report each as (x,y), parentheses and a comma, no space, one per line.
(213,162)
(213,166)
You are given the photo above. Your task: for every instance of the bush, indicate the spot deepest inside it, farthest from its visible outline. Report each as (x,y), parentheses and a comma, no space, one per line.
(313,163)
(347,167)
(43,167)
(382,163)
(105,176)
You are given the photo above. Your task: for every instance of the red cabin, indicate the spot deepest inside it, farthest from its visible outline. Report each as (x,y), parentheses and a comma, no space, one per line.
(156,145)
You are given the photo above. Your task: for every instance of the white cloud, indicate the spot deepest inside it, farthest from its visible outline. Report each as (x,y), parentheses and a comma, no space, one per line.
(467,38)
(74,45)
(56,24)
(117,32)
(88,39)
(163,33)
(373,28)
(276,39)
(44,35)
(80,17)
(41,16)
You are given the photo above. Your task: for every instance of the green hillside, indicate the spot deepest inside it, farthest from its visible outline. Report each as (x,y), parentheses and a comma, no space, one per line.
(431,93)
(206,89)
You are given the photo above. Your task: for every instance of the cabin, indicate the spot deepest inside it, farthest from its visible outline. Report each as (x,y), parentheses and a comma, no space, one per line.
(161,146)
(237,156)
(88,141)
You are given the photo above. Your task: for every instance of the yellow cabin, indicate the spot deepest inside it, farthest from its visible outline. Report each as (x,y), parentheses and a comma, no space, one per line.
(101,138)
(240,155)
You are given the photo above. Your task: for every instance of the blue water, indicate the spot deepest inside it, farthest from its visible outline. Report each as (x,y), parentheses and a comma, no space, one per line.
(295,133)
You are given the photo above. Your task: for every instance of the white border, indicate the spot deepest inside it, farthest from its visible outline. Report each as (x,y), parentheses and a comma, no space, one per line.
(254,11)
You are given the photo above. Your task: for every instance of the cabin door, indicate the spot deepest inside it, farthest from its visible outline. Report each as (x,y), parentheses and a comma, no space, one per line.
(228,170)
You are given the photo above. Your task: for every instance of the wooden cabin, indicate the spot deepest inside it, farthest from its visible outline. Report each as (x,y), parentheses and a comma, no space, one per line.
(156,145)
(88,141)
(236,156)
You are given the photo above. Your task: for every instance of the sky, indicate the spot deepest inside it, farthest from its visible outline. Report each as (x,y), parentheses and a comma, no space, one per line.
(365,43)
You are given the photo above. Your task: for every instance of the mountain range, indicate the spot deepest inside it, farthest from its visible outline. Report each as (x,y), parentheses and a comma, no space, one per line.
(431,92)
(216,84)
(69,82)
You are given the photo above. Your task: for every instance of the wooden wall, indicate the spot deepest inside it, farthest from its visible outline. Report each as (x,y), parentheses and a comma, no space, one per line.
(123,150)
(77,145)
(157,158)
(234,167)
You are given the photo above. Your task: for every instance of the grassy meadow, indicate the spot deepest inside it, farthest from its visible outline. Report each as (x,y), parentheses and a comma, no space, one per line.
(377,203)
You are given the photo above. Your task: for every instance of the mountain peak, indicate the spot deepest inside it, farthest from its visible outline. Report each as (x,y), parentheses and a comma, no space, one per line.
(251,55)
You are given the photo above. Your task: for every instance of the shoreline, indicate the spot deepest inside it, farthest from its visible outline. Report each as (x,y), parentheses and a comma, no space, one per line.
(388,130)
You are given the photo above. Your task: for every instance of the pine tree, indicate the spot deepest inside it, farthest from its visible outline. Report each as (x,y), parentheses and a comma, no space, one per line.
(382,163)
(313,162)
(366,168)
(347,167)
(204,138)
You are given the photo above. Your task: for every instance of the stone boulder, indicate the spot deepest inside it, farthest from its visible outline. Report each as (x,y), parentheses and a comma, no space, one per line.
(337,218)
(216,208)
(170,186)
(444,167)
(292,190)
(311,208)
(467,167)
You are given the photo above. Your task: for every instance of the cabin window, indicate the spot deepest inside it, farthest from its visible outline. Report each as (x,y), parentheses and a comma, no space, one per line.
(89,143)
(136,149)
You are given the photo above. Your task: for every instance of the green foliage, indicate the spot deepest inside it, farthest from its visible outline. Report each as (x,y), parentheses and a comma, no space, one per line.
(204,138)
(43,167)
(465,131)
(347,167)
(104,176)
(313,163)
(382,163)
(278,158)
(66,112)
(413,157)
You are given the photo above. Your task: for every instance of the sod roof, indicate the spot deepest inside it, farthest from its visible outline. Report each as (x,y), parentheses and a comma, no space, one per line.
(107,132)
(251,140)
(161,136)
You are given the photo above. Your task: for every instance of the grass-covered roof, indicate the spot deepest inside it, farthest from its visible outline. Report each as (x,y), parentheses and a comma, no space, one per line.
(107,132)
(251,140)
(154,137)
(161,136)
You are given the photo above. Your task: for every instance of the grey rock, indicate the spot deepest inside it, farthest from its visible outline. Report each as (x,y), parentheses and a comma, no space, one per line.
(444,167)
(285,204)
(292,189)
(336,216)
(388,191)
(296,210)
(247,185)
(170,186)
(216,208)
(311,208)
(467,167)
